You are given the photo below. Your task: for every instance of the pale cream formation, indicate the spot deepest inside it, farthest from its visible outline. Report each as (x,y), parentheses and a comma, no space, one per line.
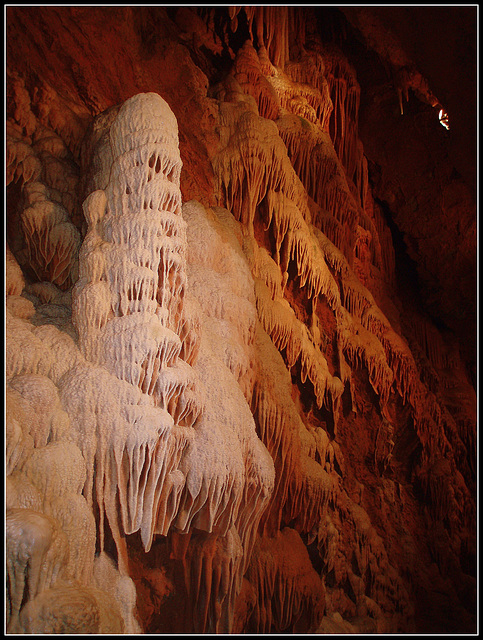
(116,411)
(229,472)
(128,308)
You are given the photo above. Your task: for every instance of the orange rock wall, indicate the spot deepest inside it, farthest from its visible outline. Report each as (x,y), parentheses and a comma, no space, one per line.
(262,423)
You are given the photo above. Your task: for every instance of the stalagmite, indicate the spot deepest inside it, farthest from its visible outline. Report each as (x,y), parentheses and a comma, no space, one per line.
(36,552)
(63,352)
(128,306)
(22,163)
(20,493)
(121,588)
(49,192)
(39,399)
(19,442)
(71,610)
(25,353)
(14,278)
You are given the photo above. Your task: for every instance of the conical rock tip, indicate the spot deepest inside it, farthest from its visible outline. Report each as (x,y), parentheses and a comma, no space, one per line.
(148,114)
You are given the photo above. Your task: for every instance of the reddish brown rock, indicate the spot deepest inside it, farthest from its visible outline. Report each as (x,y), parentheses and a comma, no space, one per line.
(241,263)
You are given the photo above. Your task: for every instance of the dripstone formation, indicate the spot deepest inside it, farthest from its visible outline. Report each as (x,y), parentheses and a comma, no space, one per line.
(232,405)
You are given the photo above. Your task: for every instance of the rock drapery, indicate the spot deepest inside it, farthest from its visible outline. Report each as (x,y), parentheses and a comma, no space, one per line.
(227,408)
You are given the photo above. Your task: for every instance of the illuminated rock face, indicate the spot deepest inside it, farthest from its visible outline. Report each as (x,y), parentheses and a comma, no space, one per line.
(223,415)
(128,311)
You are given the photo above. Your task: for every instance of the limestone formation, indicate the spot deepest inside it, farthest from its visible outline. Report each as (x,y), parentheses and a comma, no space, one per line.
(230,405)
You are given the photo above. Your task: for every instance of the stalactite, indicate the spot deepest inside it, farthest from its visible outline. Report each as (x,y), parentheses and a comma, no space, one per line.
(301,100)
(271,31)
(374,320)
(277,420)
(289,226)
(315,368)
(279,321)
(308,502)
(355,298)
(291,231)
(301,482)
(310,70)
(385,239)
(310,151)
(242,169)
(369,559)
(333,255)
(402,363)
(290,596)
(264,267)
(345,94)
(362,347)
(24,121)
(447,501)
(430,340)
(434,426)
(226,501)
(283,217)
(212,492)
(211,567)
(318,167)
(247,70)
(380,240)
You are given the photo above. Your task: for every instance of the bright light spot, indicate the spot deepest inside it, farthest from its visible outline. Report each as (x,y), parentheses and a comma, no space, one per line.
(443,118)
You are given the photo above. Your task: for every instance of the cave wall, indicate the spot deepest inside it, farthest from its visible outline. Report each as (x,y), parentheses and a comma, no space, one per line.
(240,322)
